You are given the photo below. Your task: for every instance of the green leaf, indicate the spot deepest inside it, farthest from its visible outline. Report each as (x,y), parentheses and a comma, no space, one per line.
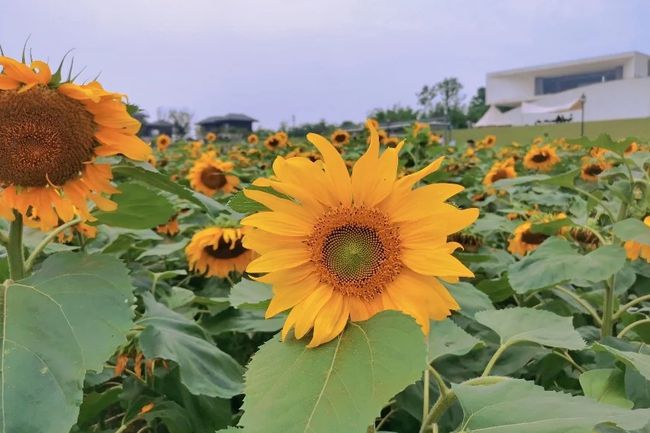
(338,387)
(233,320)
(240,203)
(470,299)
(638,361)
(606,385)
(514,325)
(249,293)
(521,180)
(138,208)
(565,179)
(447,338)
(632,229)
(95,403)
(555,261)
(552,227)
(204,368)
(517,406)
(62,321)
(163,249)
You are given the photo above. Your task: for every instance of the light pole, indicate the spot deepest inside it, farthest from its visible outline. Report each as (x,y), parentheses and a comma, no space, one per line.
(583,99)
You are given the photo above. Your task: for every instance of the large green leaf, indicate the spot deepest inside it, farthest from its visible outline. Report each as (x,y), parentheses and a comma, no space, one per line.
(447,338)
(632,229)
(555,261)
(62,321)
(470,299)
(138,208)
(515,325)
(606,385)
(518,406)
(204,368)
(638,361)
(249,293)
(338,387)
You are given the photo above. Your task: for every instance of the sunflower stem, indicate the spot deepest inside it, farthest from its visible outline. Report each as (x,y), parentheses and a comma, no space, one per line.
(630,304)
(425,386)
(15,254)
(490,365)
(631,326)
(29,263)
(608,309)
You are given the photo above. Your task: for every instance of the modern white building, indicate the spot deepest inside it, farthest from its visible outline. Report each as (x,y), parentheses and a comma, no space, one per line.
(614,87)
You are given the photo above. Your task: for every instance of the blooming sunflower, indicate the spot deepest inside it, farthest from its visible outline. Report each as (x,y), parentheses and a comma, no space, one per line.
(391,141)
(631,148)
(210,137)
(525,240)
(50,136)
(487,142)
(592,169)
(253,139)
(419,126)
(635,249)
(500,170)
(195,148)
(162,142)
(209,175)
(340,137)
(283,137)
(344,246)
(274,142)
(541,158)
(216,251)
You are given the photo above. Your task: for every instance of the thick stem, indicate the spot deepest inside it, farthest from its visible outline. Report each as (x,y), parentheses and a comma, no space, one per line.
(425,391)
(438,409)
(583,303)
(608,309)
(46,241)
(495,358)
(632,303)
(15,248)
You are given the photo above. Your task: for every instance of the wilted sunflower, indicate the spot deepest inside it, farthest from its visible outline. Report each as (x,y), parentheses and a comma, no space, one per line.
(217,251)
(50,135)
(635,249)
(274,142)
(592,169)
(210,137)
(525,240)
(541,158)
(500,170)
(340,137)
(585,237)
(347,247)
(162,142)
(209,175)
(170,228)
(253,139)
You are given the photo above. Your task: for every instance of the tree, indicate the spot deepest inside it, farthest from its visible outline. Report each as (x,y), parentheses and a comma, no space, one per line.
(477,106)
(449,91)
(426,96)
(396,113)
(181,118)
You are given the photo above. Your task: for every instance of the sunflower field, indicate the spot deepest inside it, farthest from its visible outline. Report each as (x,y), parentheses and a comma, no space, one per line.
(354,283)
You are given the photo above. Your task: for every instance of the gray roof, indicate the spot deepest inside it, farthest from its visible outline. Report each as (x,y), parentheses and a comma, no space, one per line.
(159,123)
(229,116)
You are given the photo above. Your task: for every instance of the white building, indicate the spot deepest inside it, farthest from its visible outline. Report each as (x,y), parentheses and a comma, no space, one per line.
(614,87)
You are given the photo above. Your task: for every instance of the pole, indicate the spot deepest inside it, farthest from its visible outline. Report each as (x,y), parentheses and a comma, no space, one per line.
(583,99)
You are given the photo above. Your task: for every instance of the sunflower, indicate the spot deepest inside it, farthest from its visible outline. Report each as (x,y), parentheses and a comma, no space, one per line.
(592,169)
(50,137)
(500,170)
(487,142)
(162,142)
(631,148)
(83,229)
(419,126)
(209,175)
(525,240)
(344,246)
(170,228)
(210,137)
(635,249)
(151,159)
(195,149)
(340,137)
(253,139)
(541,158)
(391,141)
(274,142)
(434,138)
(597,152)
(216,251)
(584,237)
(283,137)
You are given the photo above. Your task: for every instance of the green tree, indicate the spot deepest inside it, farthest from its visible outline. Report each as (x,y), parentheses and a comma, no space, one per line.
(396,113)
(477,106)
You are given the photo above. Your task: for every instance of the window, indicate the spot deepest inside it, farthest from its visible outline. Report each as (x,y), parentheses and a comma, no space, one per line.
(546,85)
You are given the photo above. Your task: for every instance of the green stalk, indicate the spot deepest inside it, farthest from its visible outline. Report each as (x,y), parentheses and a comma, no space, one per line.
(608,309)
(15,255)
(29,263)
(632,326)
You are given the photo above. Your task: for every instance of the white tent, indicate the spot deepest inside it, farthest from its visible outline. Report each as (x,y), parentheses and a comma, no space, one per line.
(533,108)
(492,117)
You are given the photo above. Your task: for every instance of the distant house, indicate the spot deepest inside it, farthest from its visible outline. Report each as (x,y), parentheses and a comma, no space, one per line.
(231,123)
(152,129)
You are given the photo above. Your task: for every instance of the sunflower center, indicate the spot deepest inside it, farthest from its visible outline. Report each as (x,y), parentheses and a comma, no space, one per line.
(224,250)
(533,238)
(593,170)
(274,142)
(45,137)
(339,138)
(356,251)
(540,157)
(213,178)
(500,174)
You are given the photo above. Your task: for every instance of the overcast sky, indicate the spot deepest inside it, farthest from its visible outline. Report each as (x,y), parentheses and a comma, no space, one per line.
(331,59)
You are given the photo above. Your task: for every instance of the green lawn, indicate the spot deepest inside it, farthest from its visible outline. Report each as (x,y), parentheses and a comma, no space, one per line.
(524,134)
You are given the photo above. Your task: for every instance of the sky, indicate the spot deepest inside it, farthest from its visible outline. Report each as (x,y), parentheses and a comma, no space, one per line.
(280,60)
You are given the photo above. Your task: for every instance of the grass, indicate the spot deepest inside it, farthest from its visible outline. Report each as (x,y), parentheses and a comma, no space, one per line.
(524,134)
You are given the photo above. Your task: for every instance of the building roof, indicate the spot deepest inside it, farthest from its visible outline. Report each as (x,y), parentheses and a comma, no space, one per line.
(230,116)
(600,60)
(159,123)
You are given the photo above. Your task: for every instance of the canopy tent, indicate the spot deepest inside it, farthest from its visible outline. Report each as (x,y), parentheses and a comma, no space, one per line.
(492,117)
(533,108)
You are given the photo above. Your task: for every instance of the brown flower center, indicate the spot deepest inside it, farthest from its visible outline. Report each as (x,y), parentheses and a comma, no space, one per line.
(500,174)
(340,138)
(224,250)
(533,238)
(45,137)
(593,170)
(213,178)
(274,142)
(540,157)
(356,251)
